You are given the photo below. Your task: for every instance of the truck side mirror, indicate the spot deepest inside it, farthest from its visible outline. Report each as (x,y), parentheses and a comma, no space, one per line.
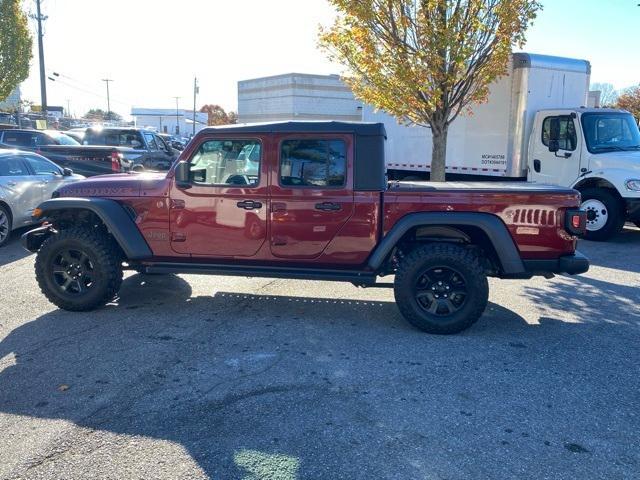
(554,146)
(182,175)
(554,134)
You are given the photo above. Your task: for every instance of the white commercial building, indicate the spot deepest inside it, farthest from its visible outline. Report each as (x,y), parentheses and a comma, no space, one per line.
(296,96)
(165,120)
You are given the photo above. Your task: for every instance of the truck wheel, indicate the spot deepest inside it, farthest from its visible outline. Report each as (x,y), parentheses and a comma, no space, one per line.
(441,288)
(78,270)
(5,225)
(604,214)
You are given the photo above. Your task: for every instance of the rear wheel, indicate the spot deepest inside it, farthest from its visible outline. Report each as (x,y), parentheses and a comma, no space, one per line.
(605,217)
(78,270)
(441,288)
(5,225)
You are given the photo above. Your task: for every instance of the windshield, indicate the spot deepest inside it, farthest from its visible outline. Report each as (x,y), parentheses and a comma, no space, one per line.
(606,132)
(61,138)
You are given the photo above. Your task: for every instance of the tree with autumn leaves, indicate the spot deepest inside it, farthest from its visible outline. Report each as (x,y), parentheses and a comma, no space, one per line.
(426,61)
(216,115)
(630,100)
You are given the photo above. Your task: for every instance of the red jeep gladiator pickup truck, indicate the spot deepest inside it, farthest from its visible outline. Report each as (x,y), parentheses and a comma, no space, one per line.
(305,200)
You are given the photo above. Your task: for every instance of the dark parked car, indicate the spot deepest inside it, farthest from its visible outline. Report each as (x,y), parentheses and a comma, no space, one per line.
(153,153)
(67,153)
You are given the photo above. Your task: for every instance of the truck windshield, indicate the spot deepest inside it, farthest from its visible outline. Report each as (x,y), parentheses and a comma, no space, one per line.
(606,132)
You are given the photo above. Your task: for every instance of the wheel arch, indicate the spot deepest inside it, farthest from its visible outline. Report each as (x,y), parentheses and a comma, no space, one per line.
(7,208)
(115,218)
(481,229)
(597,182)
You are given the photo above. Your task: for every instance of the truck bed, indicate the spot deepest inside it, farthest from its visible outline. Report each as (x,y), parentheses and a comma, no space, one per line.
(511,187)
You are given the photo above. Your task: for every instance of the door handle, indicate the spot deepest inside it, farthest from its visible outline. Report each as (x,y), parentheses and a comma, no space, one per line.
(249,204)
(536,165)
(328,206)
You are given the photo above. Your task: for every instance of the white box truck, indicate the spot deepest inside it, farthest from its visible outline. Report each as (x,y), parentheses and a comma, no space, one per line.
(535,127)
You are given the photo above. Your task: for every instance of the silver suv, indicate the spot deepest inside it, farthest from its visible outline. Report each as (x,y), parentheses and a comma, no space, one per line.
(26,180)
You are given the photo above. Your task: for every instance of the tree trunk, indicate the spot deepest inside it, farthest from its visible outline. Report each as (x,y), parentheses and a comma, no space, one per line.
(438,152)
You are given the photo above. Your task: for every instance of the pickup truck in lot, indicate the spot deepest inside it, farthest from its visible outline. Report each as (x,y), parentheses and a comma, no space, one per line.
(104,150)
(305,200)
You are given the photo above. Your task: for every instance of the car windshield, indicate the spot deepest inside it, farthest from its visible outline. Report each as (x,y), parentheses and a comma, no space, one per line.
(61,138)
(114,138)
(606,132)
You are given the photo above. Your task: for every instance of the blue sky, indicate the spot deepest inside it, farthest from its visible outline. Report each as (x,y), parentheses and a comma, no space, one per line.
(152,49)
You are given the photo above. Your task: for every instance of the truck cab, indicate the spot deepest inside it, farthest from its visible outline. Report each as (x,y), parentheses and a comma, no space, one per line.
(597,152)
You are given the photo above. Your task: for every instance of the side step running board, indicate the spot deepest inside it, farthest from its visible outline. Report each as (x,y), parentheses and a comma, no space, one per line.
(352,276)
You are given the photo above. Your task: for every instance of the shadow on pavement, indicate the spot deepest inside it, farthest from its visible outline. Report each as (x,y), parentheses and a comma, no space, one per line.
(12,250)
(317,388)
(622,252)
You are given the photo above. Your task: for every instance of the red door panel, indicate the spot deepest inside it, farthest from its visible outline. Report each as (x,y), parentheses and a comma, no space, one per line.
(305,218)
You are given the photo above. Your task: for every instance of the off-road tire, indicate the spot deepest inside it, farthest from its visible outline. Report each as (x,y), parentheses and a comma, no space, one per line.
(615,220)
(9,224)
(105,260)
(434,257)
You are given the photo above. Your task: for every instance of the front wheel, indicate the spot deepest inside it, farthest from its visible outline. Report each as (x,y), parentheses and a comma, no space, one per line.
(5,225)
(78,270)
(441,288)
(605,217)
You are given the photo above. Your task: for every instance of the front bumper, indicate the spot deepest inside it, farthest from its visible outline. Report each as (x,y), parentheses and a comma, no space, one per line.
(33,239)
(571,264)
(633,209)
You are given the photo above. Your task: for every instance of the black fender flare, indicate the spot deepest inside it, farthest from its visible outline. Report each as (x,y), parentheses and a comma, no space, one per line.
(113,215)
(494,228)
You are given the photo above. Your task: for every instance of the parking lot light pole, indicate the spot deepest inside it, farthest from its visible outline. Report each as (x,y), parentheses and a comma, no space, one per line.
(107,80)
(177,115)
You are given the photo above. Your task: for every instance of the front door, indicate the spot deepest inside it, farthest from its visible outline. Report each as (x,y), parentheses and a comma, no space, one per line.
(311,194)
(49,174)
(224,212)
(561,167)
(21,189)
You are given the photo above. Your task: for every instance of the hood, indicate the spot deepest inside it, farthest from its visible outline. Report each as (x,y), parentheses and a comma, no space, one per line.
(618,160)
(115,185)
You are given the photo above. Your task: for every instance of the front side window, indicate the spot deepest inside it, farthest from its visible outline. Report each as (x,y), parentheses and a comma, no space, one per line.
(313,163)
(605,132)
(151,141)
(224,162)
(567,139)
(12,166)
(42,166)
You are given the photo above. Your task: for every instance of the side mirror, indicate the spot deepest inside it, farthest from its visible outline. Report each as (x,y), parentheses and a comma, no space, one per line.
(182,175)
(67,172)
(554,146)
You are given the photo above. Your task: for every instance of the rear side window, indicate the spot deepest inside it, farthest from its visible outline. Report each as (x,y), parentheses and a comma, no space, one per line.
(19,139)
(12,166)
(313,163)
(567,139)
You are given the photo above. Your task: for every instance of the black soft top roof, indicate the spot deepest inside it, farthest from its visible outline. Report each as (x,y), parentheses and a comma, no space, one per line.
(358,128)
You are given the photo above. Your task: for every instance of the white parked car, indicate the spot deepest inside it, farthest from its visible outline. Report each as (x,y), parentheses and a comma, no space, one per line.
(26,180)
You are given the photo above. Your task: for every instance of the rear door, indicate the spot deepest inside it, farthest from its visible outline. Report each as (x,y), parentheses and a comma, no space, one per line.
(311,193)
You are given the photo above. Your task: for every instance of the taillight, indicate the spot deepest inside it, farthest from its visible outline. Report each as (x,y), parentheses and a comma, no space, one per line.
(575,222)
(116,161)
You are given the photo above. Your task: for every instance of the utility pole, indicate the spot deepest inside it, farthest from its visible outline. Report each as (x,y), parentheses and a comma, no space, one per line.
(177,115)
(68,107)
(43,85)
(196,90)
(107,80)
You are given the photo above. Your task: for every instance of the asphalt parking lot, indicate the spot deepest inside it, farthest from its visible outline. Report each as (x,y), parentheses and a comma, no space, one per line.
(225,377)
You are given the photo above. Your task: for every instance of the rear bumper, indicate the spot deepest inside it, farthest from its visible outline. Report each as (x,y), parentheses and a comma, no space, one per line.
(571,264)
(633,209)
